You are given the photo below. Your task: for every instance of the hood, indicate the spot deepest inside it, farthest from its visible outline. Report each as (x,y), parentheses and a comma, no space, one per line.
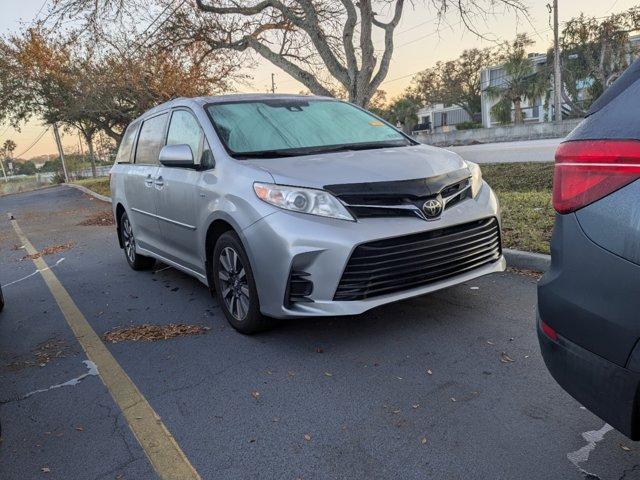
(362,166)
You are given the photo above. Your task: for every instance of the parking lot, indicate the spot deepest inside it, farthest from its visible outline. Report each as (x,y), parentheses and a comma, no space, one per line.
(449,385)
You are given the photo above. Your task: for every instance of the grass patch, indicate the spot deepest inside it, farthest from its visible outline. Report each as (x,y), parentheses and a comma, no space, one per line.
(524,191)
(98,185)
(21,184)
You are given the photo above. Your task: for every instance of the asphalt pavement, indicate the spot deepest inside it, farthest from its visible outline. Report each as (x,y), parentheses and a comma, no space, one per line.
(507,152)
(449,385)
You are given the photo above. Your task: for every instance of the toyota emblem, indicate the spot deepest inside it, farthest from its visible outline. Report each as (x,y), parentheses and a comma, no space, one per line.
(432,208)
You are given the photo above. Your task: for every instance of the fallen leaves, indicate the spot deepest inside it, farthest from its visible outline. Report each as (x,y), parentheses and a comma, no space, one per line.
(429,372)
(45,470)
(101,219)
(45,352)
(624,447)
(307,437)
(423,440)
(153,333)
(255,394)
(50,250)
(527,273)
(504,358)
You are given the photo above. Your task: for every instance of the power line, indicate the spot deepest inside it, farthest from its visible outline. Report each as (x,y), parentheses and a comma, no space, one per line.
(144,41)
(33,144)
(38,13)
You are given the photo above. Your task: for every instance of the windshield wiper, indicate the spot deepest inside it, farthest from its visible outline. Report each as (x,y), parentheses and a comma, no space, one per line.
(271,154)
(316,150)
(360,146)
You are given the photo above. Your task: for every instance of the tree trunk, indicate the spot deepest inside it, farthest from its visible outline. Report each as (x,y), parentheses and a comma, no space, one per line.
(518,117)
(92,158)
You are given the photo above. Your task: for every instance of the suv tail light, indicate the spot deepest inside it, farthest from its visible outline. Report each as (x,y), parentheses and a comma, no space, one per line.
(589,170)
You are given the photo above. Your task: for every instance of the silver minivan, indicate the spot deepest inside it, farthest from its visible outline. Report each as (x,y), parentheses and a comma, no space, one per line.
(296,206)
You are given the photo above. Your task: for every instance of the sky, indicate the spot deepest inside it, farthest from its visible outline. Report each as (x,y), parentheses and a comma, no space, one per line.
(419,41)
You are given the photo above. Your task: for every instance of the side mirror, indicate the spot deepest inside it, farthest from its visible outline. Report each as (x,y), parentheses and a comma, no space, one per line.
(177,156)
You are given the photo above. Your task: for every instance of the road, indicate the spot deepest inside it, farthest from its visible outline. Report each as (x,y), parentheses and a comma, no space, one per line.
(412,390)
(525,151)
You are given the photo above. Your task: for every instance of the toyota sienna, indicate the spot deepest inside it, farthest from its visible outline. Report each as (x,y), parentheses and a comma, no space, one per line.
(295,206)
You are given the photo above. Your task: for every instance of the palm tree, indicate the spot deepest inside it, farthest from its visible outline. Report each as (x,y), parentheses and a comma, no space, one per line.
(521,81)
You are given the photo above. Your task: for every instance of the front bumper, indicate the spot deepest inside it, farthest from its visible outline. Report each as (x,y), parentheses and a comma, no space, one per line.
(321,247)
(607,389)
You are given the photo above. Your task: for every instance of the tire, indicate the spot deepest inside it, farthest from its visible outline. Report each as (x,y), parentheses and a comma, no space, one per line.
(1,300)
(235,286)
(134,259)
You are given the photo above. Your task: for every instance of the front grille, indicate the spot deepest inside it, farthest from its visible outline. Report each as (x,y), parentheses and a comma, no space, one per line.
(402,198)
(402,263)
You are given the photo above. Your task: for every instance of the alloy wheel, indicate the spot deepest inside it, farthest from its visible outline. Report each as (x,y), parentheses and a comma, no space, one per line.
(128,240)
(233,283)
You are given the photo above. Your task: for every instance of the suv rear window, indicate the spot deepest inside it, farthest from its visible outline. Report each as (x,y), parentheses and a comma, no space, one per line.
(151,140)
(628,78)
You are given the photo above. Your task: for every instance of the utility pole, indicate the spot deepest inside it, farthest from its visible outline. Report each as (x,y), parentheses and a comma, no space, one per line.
(557,74)
(3,170)
(56,134)
(273,83)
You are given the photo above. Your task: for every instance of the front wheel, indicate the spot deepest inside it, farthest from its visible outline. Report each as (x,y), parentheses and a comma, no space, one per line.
(134,259)
(235,286)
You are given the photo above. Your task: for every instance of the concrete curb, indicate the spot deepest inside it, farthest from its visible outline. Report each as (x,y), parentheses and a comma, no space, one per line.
(89,192)
(515,258)
(527,260)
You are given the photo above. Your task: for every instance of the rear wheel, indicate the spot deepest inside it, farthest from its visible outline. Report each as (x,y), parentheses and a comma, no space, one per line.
(235,286)
(135,260)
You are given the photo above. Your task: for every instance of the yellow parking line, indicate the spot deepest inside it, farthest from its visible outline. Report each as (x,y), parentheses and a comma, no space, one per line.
(164,453)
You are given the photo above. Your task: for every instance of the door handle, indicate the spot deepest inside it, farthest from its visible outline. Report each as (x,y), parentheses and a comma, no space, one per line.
(159,183)
(148,182)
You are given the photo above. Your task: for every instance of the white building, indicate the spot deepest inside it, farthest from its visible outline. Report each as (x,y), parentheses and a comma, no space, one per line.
(496,76)
(441,118)
(535,111)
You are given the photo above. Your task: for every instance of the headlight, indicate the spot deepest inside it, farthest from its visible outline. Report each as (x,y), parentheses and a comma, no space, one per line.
(303,200)
(476,178)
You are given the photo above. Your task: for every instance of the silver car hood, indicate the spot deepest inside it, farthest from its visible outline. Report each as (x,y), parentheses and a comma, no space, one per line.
(362,166)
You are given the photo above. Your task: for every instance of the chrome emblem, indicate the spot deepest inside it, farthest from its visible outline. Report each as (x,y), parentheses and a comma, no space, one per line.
(432,208)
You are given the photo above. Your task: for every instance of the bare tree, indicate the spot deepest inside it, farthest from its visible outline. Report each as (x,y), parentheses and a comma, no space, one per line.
(324,44)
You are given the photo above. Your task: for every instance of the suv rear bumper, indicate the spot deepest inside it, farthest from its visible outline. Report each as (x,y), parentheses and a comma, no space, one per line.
(607,389)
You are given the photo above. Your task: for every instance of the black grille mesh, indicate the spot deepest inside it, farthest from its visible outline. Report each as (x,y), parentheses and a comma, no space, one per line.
(402,263)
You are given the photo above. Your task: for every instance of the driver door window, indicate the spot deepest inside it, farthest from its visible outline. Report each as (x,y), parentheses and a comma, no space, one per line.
(184,129)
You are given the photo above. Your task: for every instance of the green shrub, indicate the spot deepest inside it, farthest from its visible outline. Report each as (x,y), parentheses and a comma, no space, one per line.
(468,125)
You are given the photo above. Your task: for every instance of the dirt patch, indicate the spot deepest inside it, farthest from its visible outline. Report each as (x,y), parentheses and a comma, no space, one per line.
(50,250)
(101,219)
(153,333)
(42,354)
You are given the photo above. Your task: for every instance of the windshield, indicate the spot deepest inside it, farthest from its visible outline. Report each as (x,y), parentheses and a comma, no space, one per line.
(281,127)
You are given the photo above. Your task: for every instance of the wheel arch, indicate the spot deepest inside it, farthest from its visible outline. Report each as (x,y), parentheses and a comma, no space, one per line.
(216,228)
(120,210)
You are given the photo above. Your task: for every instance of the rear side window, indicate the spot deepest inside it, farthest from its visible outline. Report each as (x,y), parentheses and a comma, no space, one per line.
(126,145)
(151,140)
(628,78)
(184,129)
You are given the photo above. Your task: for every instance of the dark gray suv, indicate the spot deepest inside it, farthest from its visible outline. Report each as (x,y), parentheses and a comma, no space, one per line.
(589,300)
